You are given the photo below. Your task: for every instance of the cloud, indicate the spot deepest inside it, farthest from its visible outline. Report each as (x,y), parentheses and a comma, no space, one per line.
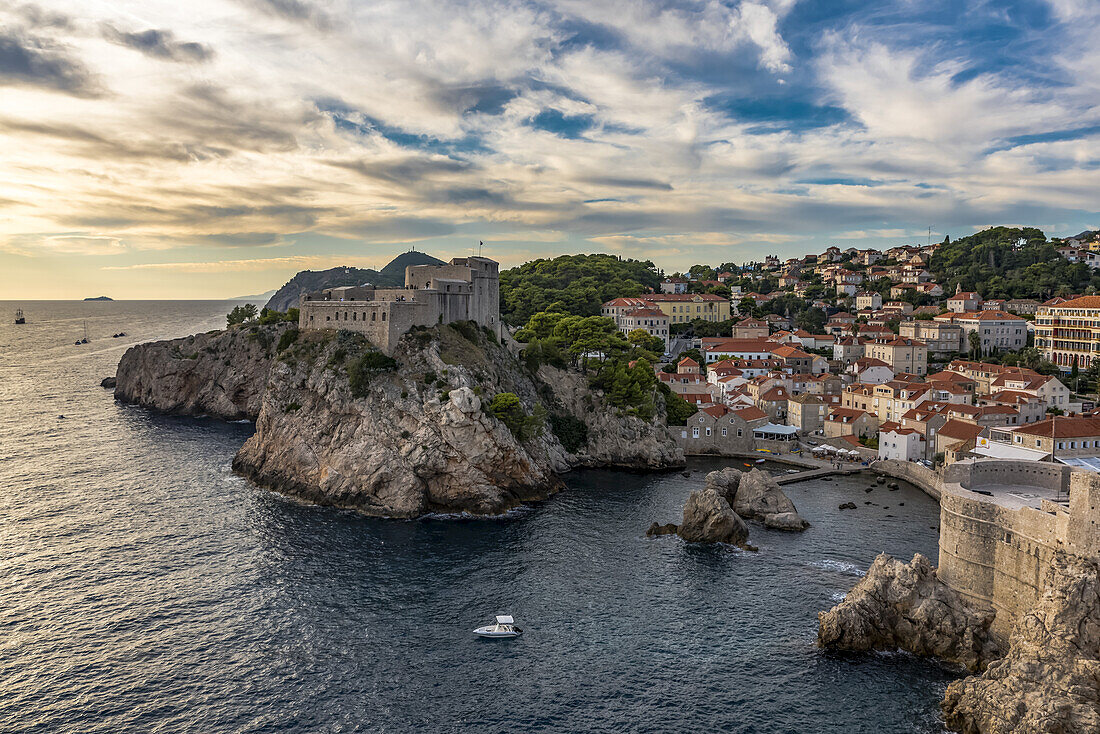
(759,24)
(294,262)
(298,11)
(30,61)
(658,127)
(159,44)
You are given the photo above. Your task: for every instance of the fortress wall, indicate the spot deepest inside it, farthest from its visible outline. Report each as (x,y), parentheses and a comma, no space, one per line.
(923,477)
(382,322)
(996,555)
(1050,476)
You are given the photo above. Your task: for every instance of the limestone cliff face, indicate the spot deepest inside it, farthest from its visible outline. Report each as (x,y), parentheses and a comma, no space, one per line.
(414,437)
(1049,682)
(221,374)
(904,606)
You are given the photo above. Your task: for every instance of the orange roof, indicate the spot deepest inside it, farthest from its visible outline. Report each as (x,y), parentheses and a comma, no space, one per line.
(661,297)
(987,316)
(960,430)
(716,411)
(749,413)
(687,362)
(1063,427)
(774,395)
(1082,302)
(789,352)
(647,312)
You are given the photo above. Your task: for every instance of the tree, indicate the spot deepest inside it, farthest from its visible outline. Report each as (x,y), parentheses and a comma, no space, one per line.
(975,340)
(241,314)
(645,345)
(576,284)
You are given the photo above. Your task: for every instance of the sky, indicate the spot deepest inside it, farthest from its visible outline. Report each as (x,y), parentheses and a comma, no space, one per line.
(213,148)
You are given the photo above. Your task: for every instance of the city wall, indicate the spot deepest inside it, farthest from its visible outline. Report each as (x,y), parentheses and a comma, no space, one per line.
(929,481)
(993,549)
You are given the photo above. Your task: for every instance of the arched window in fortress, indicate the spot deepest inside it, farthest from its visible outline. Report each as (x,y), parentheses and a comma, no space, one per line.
(373,315)
(383,315)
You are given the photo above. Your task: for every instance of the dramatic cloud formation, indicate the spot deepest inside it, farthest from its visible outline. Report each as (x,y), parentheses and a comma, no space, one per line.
(146,144)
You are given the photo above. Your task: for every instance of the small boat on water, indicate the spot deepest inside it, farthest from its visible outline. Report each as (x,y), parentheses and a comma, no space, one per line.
(19,317)
(504,626)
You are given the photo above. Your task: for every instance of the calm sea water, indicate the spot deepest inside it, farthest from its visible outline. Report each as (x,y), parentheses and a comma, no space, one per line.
(145,588)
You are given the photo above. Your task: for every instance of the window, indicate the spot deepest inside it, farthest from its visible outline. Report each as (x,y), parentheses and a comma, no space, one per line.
(708,430)
(695,431)
(723,430)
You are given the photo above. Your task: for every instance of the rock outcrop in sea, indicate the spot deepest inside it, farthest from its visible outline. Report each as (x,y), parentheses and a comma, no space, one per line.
(905,606)
(708,518)
(716,513)
(340,424)
(1049,681)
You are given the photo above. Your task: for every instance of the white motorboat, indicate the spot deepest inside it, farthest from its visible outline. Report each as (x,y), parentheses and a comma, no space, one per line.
(504,626)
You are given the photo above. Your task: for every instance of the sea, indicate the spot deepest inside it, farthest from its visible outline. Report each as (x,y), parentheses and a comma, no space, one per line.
(146,588)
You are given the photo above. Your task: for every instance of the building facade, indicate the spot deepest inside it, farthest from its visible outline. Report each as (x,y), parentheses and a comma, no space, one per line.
(1069,332)
(466,289)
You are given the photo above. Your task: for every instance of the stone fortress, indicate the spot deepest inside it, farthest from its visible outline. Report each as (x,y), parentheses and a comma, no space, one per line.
(1000,524)
(467,288)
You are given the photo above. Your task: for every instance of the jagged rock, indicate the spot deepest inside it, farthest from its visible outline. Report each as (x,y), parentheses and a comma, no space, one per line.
(898,605)
(403,446)
(785,521)
(659,529)
(222,374)
(708,518)
(725,482)
(758,495)
(1049,681)
(108,382)
(848,506)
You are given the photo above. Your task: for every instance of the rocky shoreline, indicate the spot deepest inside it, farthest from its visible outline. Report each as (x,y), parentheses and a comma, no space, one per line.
(338,424)
(1047,681)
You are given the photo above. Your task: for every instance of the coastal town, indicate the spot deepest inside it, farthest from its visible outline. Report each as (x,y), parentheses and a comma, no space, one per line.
(896,366)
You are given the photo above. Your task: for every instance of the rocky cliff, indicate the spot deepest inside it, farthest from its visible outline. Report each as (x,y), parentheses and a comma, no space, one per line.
(904,606)
(1049,681)
(339,424)
(221,373)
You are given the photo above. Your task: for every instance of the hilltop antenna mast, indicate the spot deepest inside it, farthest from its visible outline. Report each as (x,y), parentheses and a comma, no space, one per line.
(480,244)
(930,234)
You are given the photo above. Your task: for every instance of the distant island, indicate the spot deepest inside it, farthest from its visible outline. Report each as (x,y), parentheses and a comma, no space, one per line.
(99,298)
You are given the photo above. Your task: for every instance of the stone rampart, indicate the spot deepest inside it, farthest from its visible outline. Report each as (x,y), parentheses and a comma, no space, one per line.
(997,535)
(930,482)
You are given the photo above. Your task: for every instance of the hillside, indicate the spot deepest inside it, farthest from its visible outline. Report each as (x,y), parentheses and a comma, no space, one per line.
(391,276)
(1009,262)
(394,272)
(574,284)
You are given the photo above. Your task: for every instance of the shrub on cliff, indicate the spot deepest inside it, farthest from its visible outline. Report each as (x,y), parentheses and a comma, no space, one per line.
(362,369)
(677,409)
(571,431)
(241,314)
(289,337)
(508,409)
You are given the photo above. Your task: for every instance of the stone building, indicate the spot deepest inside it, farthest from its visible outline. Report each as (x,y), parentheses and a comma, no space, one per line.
(466,289)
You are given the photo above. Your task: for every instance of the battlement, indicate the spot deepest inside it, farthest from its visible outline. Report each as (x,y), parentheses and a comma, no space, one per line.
(1000,523)
(465,289)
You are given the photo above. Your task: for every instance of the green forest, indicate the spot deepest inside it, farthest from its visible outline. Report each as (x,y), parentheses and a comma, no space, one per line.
(1010,262)
(571,284)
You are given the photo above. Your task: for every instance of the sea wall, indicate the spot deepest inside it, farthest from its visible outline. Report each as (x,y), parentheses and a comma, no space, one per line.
(929,481)
(996,552)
